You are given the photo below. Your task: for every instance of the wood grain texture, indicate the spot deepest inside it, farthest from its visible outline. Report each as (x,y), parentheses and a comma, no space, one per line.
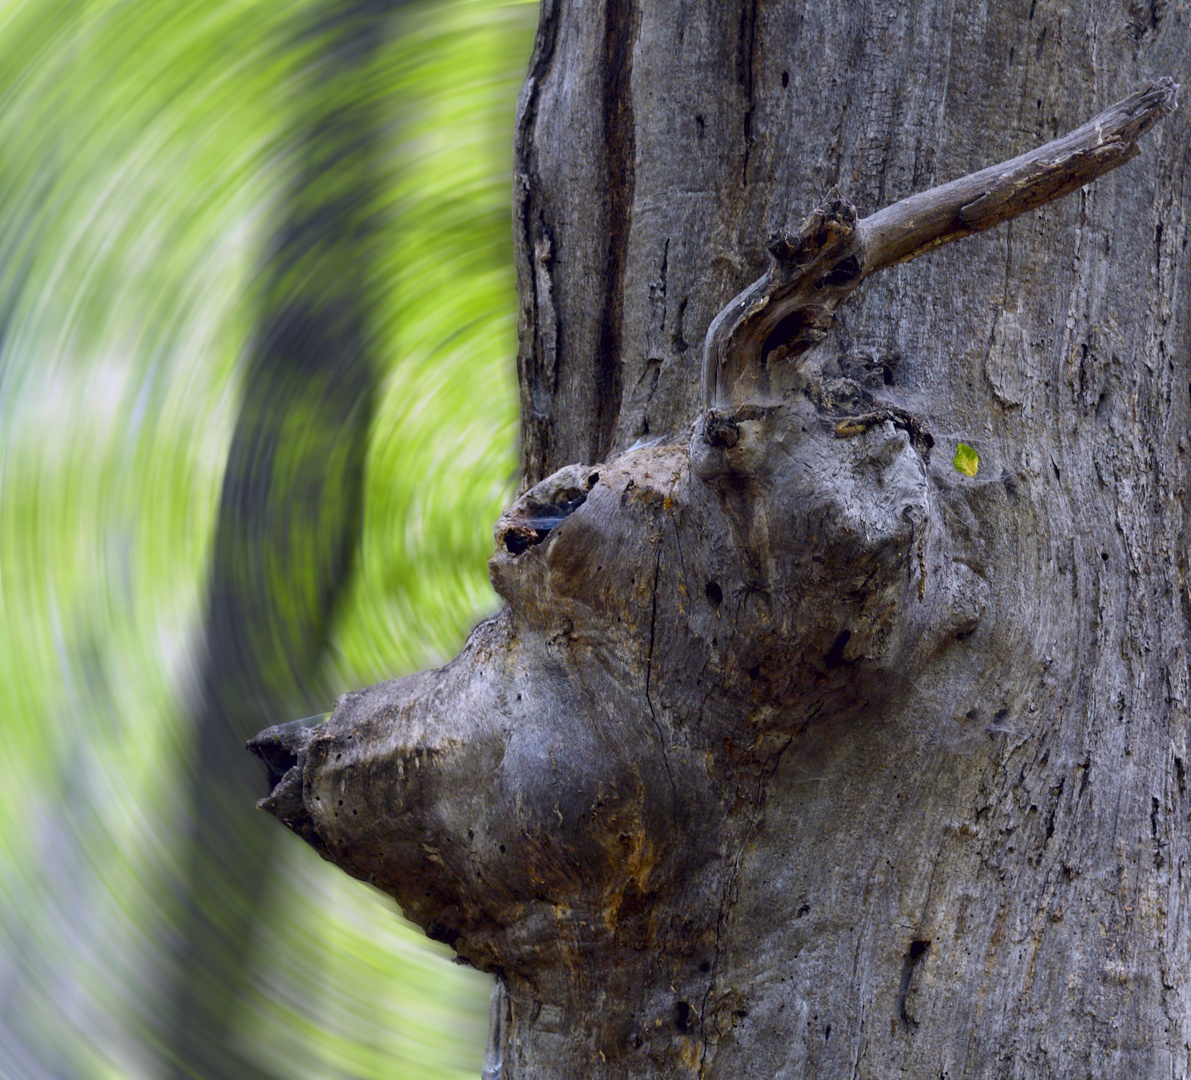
(791,307)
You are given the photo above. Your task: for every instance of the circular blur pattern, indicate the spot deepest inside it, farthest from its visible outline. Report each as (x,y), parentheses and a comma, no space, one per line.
(257,417)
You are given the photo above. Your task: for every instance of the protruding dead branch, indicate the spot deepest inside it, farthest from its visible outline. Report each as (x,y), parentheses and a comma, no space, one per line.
(791,308)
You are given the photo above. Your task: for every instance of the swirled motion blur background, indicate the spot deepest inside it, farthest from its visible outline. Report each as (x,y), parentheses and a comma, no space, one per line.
(257,416)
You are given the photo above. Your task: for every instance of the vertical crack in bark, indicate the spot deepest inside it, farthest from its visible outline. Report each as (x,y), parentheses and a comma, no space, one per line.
(681,557)
(858,1044)
(545,314)
(941,108)
(914,955)
(537,358)
(663,273)
(746,57)
(653,619)
(620,35)
(834,155)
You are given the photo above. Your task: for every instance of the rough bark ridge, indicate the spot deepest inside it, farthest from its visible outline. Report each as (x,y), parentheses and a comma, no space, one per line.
(795,753)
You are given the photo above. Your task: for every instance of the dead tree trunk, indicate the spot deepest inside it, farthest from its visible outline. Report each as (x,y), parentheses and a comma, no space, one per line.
(796,753)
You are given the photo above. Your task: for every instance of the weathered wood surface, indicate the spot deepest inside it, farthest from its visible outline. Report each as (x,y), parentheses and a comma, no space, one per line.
(799,755)
(792,306)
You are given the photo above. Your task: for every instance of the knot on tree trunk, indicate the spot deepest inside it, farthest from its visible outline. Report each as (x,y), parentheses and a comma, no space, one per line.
(596,756)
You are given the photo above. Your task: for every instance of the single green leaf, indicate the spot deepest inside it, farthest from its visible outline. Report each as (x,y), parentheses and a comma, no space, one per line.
(967,461)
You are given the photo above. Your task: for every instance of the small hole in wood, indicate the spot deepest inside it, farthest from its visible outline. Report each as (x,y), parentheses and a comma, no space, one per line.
(835,655)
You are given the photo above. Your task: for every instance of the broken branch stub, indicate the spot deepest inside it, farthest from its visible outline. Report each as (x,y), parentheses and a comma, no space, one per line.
(792,306)
(569,801)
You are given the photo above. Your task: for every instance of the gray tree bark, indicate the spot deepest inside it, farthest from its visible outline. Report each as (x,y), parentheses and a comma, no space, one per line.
(796,753)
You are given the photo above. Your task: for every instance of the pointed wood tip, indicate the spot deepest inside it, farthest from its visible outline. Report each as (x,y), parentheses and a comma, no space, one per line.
(1162,95)
(1129,119)
(1145,107)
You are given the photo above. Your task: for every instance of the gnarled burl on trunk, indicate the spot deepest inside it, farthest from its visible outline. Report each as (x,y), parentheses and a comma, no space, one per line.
(573,803)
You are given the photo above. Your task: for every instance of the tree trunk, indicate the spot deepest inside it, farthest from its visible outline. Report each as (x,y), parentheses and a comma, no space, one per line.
(797,753)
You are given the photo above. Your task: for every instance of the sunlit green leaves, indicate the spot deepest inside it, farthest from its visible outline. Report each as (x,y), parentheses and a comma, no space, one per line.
(444,442)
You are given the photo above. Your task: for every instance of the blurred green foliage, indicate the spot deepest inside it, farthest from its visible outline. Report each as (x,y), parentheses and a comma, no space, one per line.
(144,155)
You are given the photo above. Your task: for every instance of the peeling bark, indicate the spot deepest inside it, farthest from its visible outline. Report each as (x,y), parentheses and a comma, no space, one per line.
(794,752)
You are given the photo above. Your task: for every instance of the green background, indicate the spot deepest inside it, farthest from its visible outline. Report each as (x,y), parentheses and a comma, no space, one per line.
(144,150)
